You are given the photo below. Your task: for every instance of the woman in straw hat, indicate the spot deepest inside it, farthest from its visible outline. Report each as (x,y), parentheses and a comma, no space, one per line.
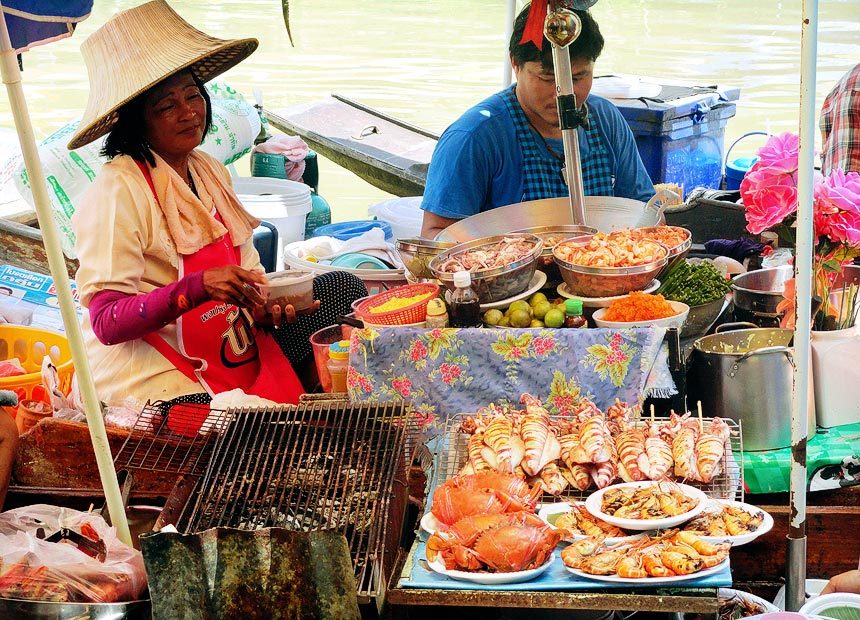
(168,270)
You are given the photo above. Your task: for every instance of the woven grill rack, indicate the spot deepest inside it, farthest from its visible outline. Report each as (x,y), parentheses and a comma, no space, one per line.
(452,455)
(326,464)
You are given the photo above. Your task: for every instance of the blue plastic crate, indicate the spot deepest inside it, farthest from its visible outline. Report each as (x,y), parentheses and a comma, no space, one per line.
(680,132)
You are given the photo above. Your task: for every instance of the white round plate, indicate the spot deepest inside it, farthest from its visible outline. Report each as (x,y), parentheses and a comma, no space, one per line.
(490,579)
(535,284)
(429,523)
(601,302)
(743,539)
(729,593)
(594,501)
(546,511)
(650,580)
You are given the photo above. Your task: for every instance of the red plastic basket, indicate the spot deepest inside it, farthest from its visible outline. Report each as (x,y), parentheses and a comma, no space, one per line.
(415,313)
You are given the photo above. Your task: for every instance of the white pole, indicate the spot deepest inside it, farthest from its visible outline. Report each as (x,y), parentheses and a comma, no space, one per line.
(507,72)
(796,565)
(57,265)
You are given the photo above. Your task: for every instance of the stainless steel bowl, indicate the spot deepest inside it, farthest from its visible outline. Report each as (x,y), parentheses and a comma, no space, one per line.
(607,281)
(547,233)
(676,253)
(44,610)
(701,318)
(493,284)
(416,254)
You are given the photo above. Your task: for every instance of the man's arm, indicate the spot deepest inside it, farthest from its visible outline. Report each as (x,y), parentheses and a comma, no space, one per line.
(433,224)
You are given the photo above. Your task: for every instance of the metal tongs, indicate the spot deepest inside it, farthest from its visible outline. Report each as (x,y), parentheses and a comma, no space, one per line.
(93,548)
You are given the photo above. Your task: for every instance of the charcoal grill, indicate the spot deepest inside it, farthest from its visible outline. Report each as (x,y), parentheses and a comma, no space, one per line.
(322,465)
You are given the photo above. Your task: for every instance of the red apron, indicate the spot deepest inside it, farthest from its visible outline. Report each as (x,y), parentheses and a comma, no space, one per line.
(219,345)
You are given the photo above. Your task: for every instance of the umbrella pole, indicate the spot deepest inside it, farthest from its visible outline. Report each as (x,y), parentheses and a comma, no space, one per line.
(510,14)
(56,262)
(796,565)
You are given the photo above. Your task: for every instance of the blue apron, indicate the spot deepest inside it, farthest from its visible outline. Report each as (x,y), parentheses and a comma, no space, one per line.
(542,176)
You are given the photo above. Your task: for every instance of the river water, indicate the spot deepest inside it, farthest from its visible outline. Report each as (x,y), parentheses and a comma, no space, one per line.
(426,61)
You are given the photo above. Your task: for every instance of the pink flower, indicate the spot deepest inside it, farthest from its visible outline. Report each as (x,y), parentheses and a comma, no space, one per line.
(837,207)
(780,153)
(403,386)
(769,197)
(449,372)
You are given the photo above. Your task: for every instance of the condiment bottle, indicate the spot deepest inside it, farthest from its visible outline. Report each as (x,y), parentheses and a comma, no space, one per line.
(465,310)
(338,365)
(573,313)
(437,313)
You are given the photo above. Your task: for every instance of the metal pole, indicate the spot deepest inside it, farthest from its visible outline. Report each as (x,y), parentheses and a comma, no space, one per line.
(569,134)
(507,71)
(57,265)
(796,566)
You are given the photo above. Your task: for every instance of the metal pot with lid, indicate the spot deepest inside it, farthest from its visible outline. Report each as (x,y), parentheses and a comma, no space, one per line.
(746,375)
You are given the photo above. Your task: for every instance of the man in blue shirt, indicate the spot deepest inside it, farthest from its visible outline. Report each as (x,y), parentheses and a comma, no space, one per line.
(508,148)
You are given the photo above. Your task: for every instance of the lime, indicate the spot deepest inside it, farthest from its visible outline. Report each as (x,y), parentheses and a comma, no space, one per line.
(521,318)
(554,318)
(536,323)
(536,299)
(541,308)
(492,317)
(504,322)
(522,304)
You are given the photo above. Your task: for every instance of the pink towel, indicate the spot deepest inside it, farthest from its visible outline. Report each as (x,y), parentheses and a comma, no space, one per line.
(293,148)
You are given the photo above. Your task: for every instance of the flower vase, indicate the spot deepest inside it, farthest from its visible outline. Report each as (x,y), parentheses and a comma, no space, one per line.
(836,376)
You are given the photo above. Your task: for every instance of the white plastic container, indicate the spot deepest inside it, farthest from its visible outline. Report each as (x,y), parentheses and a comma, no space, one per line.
(403,214)
(283,203)
(827,604)
(836,376)
(297,286)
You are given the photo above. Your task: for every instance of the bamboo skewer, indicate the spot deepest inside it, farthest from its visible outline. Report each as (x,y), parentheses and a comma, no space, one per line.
(699,409)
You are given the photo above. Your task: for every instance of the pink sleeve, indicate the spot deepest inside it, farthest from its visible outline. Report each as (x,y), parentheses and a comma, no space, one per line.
(119,317)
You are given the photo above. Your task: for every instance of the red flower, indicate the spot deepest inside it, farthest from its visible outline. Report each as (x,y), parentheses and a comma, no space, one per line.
(450,373)
(544,345)
(403,386)
(616,341)
(516,352)
(418,351)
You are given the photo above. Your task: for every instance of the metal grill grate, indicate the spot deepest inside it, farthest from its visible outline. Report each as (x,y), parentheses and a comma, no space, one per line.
(320,465)
(453,455)
(178,444)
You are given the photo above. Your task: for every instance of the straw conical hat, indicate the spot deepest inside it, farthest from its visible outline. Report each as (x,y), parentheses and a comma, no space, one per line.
(138,48)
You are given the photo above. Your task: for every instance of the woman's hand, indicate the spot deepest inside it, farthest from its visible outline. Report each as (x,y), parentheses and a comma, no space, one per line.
(844,582)
(281,311)
(235,285)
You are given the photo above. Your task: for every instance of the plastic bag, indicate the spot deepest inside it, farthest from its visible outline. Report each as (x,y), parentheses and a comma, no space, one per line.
(32,568)
(235,124)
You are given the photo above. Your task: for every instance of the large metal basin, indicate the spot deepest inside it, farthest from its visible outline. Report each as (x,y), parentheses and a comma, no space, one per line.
(757,293)
(605,213)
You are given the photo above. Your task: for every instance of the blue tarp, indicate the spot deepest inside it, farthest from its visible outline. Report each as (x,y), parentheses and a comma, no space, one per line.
(35,22)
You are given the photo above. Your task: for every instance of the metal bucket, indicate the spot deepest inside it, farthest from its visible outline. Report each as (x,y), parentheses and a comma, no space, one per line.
(747,375)
(605,213)
(757,293)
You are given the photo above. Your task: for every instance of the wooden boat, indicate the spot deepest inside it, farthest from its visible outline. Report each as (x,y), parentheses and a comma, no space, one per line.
(386,152)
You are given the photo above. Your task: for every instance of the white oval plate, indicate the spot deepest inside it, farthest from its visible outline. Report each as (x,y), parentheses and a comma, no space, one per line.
(429,523)
(548,510)
(743,539)
(601,302)
(490,579)
(594,501)
(535,284)
(650,580)
(728,593)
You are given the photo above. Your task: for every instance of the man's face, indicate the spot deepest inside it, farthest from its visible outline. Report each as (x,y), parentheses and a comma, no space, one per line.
(537,93)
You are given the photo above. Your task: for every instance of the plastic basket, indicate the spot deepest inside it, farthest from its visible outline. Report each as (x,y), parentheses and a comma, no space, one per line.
(30,345)
(414,313)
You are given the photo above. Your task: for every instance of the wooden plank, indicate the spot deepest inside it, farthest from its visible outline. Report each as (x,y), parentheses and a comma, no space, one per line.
(22,246)
(830,548)
(385,152)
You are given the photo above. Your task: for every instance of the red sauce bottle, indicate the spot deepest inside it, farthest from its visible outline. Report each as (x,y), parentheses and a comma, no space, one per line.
(573,313)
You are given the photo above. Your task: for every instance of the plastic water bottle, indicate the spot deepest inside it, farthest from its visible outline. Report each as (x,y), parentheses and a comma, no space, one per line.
(465,310)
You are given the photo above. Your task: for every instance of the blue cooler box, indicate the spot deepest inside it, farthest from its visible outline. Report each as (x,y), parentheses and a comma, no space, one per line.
(680,132)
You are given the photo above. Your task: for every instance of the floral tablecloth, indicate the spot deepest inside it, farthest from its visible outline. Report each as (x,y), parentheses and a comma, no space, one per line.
(449,371)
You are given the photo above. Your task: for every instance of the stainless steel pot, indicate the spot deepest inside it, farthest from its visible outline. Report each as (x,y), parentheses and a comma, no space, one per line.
(757,293)
(747,375)
(605,213)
